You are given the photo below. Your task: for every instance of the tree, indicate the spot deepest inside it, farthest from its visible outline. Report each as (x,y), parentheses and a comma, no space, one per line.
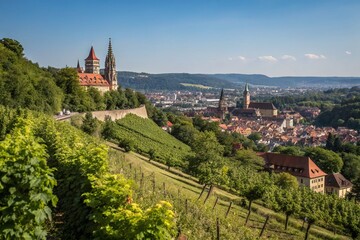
(327,160)
(13,46)
(254,136)
(330,141)
(184,132)
(108,129)
(286,181)
(288,202)
(351,168)
(249,158)
(253,193)
(89,124)
(207,163)
(290,150)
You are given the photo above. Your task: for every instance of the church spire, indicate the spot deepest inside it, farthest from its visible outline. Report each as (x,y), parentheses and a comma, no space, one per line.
(246,96)
(110,68)
(78,68)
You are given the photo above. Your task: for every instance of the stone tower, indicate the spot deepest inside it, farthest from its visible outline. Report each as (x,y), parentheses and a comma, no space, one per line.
(222,101)
(222,108)
(92,63)
(246,95)
(110,68)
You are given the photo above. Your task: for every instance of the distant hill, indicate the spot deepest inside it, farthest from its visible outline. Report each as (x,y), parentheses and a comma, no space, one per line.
(170,81)
(181,81)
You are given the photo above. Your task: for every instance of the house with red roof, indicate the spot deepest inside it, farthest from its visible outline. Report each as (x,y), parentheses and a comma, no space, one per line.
(91,76)
(303,168)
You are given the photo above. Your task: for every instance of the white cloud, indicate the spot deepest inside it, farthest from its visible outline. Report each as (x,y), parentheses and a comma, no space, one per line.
(268,59)
(314,56)
(230,58)
(241,58)
(288,57)
(348,52)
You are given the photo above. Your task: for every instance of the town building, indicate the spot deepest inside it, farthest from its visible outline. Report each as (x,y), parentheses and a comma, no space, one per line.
(92,77)
(337,184)
(304,169)
(263,109)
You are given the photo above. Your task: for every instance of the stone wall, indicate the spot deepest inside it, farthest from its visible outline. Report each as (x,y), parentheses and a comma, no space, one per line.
(118,114)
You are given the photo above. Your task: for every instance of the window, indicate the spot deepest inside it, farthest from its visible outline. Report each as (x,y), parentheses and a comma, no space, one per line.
(301,180)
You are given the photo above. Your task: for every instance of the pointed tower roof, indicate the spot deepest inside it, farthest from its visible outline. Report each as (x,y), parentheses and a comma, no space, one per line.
(92,55)
(78,68)
(222,94)
(110,47)
(246,87)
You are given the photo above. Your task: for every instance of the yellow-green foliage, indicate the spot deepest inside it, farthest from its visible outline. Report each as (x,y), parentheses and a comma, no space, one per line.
(40,150)
(26,184)
(116,217)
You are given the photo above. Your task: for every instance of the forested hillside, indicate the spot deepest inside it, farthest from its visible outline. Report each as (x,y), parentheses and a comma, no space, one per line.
(173,81)
(23,83)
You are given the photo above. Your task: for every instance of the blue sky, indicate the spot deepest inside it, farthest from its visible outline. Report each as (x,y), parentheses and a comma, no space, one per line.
(272,37)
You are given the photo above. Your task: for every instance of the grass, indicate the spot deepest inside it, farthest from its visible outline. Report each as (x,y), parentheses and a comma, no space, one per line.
(199,221)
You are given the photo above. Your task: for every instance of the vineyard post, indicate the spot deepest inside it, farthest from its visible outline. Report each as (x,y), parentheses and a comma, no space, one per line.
(130,165)
(153,182)
(142,181)
(263,228)
(135,174)
(202,191)
(217,199)
(164,188)
(217,229)
(186,206)
(209,193)
(227,213)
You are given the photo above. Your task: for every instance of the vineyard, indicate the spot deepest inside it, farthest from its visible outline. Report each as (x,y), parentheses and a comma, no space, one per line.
(197,220)
(55,183)
(147,136)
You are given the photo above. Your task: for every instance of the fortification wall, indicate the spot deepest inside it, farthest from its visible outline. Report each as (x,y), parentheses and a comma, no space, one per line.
(118,114)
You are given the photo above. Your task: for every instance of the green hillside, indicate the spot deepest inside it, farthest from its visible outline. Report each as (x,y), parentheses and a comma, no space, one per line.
(146,135)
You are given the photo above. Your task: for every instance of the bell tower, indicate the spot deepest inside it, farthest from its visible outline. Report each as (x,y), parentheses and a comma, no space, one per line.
(110,68)
(246,95)
(92,63)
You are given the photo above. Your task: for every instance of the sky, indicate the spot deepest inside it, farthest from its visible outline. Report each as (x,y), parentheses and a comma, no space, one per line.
(271,37)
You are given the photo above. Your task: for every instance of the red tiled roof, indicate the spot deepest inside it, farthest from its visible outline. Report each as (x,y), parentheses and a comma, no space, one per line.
(337,180)
(262,105)
(92,55)
(169,124)
(295,165)
(92,79)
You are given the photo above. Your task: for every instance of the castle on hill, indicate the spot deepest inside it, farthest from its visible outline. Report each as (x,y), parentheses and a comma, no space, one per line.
(249,108)
(93,77)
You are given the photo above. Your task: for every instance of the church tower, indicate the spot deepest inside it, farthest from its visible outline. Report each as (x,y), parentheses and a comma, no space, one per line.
(92,63)
(246,95)
(222,102)
(110,68)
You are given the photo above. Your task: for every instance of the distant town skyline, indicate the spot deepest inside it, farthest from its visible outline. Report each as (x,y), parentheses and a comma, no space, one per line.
(271,37)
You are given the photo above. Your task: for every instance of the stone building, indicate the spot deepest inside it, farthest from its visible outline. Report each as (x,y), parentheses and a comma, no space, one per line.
(253,109)
(92,77)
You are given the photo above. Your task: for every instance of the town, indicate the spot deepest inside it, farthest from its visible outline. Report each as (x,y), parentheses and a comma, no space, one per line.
(288,127)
